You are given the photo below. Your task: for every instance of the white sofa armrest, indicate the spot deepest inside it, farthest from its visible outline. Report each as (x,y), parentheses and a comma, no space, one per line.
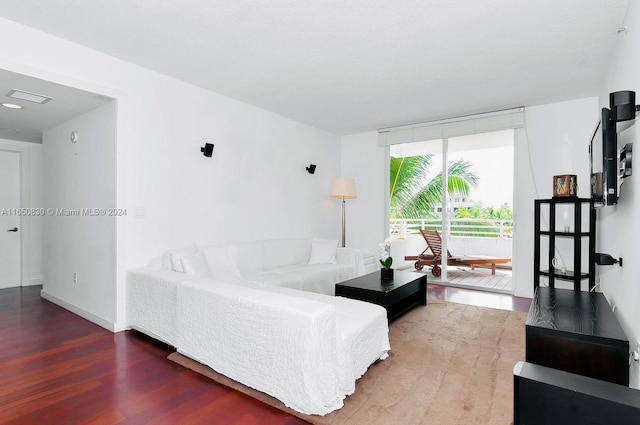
(160,275)
(151,301)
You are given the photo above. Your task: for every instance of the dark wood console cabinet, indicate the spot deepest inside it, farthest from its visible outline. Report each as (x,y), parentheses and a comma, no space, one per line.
(576,331)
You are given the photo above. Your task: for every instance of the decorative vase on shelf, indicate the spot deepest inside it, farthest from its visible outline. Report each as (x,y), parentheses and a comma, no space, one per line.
(386,274)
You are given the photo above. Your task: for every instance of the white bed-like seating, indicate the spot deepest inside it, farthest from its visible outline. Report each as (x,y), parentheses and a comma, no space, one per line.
(306,351)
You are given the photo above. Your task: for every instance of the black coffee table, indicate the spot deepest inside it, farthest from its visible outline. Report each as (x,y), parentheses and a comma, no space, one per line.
(405,291)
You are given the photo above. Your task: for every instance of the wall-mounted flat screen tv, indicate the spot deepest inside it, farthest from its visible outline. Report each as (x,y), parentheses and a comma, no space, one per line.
(608,165)
(595,152)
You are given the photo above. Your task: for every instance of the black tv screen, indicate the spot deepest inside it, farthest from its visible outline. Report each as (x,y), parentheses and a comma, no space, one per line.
(604,161)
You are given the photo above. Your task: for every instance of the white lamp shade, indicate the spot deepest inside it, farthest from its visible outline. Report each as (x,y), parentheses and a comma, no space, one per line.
(343,188)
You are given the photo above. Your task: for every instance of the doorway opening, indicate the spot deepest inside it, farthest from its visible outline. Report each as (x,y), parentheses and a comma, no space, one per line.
(10,219)
(66,159)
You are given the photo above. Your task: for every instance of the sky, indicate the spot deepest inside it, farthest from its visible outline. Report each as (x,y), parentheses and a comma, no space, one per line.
(494,168)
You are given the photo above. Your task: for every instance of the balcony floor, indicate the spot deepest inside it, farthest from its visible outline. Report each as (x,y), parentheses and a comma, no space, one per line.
(480,279)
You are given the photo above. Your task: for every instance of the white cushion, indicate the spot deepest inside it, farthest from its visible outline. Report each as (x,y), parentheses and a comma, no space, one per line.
(195,265)
(250,260)
(171,258)
(222,261)
(368,257)
(279,253)
(323,251)
(176,258)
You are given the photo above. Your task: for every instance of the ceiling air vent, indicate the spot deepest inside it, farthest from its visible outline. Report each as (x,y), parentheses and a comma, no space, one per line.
(29,97)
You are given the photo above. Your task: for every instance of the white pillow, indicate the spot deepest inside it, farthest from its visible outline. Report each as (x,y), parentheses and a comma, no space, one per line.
(195,265)
(171,258)
(222,261)
(323,251)
(176,257)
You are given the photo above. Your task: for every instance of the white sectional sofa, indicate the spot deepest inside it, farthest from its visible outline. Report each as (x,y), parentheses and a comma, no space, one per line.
(263,314)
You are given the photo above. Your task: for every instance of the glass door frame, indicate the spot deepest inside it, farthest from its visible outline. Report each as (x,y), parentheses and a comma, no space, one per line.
(444,218)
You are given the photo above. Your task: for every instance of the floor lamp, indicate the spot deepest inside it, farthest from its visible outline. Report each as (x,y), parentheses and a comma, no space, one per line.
(346,189)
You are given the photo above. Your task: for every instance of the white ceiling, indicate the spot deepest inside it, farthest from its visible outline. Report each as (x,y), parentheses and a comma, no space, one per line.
(349,66)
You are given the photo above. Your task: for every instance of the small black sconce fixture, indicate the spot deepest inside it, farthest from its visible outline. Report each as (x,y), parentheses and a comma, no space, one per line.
(607,260)
(207,150)
(311,168)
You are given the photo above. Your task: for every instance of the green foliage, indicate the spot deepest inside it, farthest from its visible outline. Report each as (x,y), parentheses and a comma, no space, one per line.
(387,263)
(411,196)
(487,213)
(463,224)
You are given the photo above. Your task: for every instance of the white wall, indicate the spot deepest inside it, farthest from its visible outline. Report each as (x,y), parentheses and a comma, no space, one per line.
(31,197)
(618,225)
(79,176)
(254,187)
(558,136)
(363,160)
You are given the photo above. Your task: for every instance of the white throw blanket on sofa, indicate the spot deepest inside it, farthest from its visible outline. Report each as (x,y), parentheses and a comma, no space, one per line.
(152,293)
(363,334)
(290,347)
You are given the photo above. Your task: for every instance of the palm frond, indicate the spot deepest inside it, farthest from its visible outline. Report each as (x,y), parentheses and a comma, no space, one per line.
(406,177)
(412,197)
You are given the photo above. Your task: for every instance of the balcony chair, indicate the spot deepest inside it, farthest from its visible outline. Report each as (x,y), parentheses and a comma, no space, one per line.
(433,259)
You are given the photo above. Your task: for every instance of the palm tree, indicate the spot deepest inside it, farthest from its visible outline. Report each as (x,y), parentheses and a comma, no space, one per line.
(411,196)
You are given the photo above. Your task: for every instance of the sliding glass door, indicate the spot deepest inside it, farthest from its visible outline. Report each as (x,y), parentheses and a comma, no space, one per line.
(462,188)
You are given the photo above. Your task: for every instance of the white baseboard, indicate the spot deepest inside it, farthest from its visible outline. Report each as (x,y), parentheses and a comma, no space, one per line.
(33,282)
(80,312)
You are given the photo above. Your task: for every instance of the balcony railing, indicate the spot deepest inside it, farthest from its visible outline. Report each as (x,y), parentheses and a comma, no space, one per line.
(463,227)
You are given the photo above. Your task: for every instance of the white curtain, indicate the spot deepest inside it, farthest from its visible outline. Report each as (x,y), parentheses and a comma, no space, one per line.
(452,127)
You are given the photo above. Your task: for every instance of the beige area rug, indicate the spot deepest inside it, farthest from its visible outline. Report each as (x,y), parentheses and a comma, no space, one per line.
(449,364)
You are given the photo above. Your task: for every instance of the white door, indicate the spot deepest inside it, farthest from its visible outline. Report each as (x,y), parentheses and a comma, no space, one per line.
(9,219)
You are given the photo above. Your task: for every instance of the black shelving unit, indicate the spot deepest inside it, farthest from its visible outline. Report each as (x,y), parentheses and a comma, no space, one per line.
(575,275)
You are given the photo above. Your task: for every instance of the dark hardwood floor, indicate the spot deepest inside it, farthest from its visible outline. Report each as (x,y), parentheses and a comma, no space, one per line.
(57,368)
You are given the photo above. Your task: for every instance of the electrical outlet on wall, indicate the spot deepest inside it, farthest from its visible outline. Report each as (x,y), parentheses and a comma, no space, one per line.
(634,366)
(141,212)
(75,277)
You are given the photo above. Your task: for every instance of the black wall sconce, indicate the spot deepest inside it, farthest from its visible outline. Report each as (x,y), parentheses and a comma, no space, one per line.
(207,150)
(607,260)
(311,168)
